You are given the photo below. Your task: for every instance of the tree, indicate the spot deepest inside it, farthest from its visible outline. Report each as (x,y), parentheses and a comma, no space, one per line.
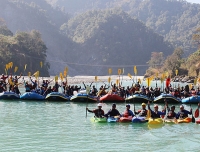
(196,37)
(173,62)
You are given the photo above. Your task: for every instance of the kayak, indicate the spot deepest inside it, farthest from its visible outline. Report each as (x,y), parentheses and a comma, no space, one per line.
(126,119)
(139,120)
(198,121)
(157,121)
(170,121)
(99,120)
(112,119)
(186,120)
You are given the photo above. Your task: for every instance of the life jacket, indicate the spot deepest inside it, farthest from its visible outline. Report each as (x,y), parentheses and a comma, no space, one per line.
(126,113)
(142,112)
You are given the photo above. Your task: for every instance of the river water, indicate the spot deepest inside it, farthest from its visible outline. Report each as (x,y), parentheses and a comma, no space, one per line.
(50,126)
(29,126)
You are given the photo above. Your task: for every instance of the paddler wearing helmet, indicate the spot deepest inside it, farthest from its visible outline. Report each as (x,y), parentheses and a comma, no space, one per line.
(97,112)
(142,112)
(171,113)
(128,112)
(113,112)
(183,113)
(156,114)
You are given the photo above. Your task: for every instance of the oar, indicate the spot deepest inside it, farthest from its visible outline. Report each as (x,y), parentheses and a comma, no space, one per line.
(196,113)
(87,92)
(193,119)
(148,112)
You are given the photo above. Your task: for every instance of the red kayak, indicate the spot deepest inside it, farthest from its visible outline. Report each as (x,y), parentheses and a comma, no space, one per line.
(111,98)
(125,119)
(198,121)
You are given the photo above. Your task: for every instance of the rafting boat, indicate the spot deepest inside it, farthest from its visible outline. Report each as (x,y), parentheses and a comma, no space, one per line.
(139,120)
(192,99)
(112,119)
(157,121)
(98,120)
(31,96)
(170,99)
(186,120)
(111,98)
(138,98)
(9,95)
(125,119)
(83,97)
(56,96)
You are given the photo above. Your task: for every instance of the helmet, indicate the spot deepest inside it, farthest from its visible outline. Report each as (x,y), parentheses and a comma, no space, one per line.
(155,106)
(143,104)
(99,105)
(128,105)
(114,104)
(172,106)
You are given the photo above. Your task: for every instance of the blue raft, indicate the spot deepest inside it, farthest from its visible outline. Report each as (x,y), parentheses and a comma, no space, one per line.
(9,96)
(31,96)
(192,99)
(170,99)
(56,96)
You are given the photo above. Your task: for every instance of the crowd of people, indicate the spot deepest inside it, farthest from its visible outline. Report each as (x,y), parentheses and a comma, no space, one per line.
(167,112)
(11,83)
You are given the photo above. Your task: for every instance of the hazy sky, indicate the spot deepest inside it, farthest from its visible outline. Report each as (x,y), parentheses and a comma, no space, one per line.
(194,1)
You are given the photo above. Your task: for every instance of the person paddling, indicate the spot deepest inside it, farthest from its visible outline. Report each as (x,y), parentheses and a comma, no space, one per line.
(128,112)
(113,112)
(182,114)
(99,113)
(171,113)
(142,112)
(156,114)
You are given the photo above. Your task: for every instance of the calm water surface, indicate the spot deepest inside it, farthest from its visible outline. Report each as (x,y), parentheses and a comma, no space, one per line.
(50,126)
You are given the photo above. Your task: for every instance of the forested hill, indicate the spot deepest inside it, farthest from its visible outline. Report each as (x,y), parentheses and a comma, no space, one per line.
(112,37)
(176,20)
(88,43)
(38,15)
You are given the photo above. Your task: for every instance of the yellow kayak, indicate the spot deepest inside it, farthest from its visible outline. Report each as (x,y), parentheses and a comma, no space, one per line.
(157,121)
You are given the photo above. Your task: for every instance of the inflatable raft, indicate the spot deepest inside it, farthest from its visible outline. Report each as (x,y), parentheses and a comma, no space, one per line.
(111,98)
(98,120)
(170,99)
(83,98)
(31,96)
(8,96)
(125,119)
(138,98)
(186,120)
(56,96)
(192,99)
(139,120)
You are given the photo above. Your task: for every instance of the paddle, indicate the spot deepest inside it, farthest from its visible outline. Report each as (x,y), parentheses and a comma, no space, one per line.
(193,119)
(148,112)
(87,92)
(196,113)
